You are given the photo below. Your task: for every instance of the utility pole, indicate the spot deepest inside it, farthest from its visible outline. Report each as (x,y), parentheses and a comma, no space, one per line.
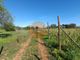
(59,41)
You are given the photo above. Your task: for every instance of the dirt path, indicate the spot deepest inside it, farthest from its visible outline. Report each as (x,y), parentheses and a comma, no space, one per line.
(22,49)
(42,50)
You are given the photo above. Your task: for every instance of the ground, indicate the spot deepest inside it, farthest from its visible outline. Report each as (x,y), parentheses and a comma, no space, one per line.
(35,45)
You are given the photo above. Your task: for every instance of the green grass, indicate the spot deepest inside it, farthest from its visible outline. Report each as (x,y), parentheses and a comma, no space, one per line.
(14,35)
(9,39)
(10,43)
(69,50)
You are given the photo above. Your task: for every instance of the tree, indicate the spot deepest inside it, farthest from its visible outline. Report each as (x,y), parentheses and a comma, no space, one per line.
(72,25)
(9,27)
(53,26)
(27,28)
(6,20)
(1,1)
(18,28)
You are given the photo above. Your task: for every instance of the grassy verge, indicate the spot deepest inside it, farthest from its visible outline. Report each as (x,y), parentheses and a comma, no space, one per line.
(69,50)
(11,45)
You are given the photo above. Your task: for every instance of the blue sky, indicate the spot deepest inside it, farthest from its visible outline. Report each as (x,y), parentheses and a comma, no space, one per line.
(25,12)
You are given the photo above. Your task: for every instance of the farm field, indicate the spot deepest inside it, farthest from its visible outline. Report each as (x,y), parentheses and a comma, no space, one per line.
(70,51)
(39,30)
(12,43)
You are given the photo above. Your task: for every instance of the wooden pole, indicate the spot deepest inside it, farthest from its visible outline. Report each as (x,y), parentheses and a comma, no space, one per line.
(1,49)
(48,31)
(36,31)
(59,41)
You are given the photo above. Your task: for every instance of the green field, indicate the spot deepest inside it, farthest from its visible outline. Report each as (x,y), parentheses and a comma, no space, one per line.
(12,43)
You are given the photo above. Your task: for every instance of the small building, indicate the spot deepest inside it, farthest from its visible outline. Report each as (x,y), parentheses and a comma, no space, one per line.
(38,24)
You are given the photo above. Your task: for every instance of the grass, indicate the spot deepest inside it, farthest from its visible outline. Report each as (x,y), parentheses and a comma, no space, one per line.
(69,50)
(10,44)
(8,39)
(31,52)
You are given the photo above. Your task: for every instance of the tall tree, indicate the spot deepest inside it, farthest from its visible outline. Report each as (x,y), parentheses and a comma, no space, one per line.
(6,20)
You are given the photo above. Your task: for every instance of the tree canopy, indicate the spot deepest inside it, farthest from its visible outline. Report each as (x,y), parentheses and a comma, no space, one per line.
(6,20)
(72,25)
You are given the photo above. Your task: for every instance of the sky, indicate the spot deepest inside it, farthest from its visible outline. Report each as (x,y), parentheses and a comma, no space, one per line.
(26,12)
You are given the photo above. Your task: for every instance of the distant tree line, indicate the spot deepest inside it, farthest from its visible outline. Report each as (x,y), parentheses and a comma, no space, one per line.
(72,25)
(27,28)
(53,26)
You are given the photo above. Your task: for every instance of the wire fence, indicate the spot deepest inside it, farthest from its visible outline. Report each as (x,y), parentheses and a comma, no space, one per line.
(73,41)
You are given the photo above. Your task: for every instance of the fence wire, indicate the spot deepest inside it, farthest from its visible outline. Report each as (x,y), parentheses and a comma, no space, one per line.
(71,38)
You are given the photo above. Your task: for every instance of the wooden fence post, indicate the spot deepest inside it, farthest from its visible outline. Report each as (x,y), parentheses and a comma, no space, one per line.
(48,31)
(59,41)
(1,49)
(17,39)
(37,31)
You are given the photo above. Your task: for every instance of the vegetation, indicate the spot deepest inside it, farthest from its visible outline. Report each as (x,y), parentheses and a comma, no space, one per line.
(31,52)
(27,28)
(53,26)
(12,43)
(69,50)
(6,20)
(12,37)
(72,25)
